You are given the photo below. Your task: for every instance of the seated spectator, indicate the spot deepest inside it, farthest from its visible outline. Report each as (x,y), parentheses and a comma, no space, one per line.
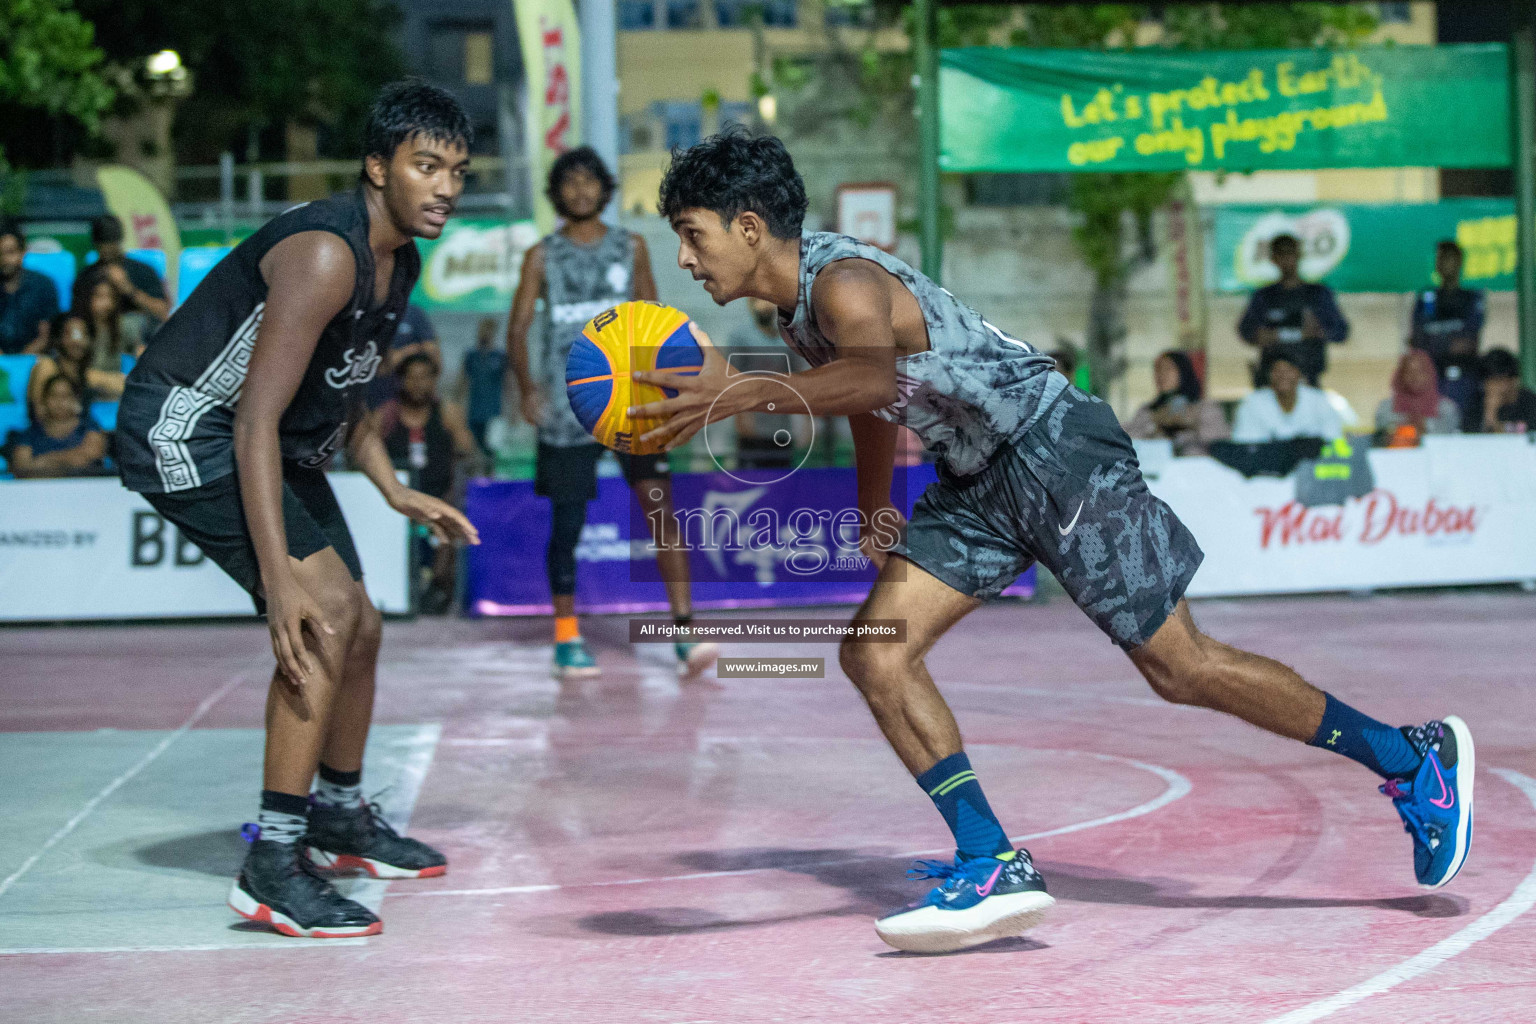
(425,437)
(1286,408)
(414,335)
(1180,412)
(28,300)
(1065,357)
(1447,322)
(1416,407)
(70,356)
(96,302)
(138,287)
(63,440)
(1300,317)
(1507,407)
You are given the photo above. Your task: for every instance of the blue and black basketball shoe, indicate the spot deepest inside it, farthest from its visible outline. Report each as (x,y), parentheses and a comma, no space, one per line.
(979,899)
(1436,804)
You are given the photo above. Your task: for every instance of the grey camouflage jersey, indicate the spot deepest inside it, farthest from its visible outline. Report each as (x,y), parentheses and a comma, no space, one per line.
(972,391)
(580,281)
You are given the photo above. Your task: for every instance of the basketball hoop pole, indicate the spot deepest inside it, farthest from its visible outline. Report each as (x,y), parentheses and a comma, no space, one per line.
(1522,82)
(927,74)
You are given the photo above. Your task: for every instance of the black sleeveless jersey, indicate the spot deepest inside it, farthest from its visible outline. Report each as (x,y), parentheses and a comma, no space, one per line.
(175,424)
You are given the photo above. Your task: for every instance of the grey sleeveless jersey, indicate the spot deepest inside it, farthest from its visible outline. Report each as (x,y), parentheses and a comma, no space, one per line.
(973,390)
(580,281)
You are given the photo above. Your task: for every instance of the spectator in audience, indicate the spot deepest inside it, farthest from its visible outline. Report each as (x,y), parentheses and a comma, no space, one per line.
(1285,408)
(28,300)
(1180,412)
(1447,322)
(70,356)
(63,440)
(1066,361)
(99,305)
(414,336)
(485,373)
(1416,406)
(1300,317)
(426,437)
(138,286)
(1507,407)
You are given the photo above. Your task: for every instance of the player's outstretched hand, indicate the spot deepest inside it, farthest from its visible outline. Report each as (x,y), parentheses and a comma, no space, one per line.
(447,523)
(697,403)
(289,608)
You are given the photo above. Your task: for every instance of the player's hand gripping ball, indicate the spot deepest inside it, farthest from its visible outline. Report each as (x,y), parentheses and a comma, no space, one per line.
(631,336)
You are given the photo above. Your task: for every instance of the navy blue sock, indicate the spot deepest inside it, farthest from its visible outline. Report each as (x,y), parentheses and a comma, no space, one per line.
(958,796)
(1380,747)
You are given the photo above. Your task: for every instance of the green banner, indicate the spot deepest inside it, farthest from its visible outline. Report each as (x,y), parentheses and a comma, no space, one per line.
(473,266)
(1238,110)
(1388,248)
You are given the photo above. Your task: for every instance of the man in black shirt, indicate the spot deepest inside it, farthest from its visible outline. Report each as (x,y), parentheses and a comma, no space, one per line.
(1507,407)
(225,426)
(136,281)
(1447,322)
(1300,315)
(28,300)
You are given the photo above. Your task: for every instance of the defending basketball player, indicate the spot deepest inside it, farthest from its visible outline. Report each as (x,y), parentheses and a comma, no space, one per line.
(1030,470)
(580,270)
(225,427)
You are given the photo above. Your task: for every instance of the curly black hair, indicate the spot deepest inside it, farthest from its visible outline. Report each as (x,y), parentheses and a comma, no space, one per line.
(403,110)
(736,171)
(586,158)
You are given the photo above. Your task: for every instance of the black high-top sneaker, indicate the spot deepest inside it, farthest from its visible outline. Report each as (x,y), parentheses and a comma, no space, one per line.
(358,838)
(278,886)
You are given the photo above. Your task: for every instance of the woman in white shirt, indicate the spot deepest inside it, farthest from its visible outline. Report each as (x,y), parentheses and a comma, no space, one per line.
(1285,409)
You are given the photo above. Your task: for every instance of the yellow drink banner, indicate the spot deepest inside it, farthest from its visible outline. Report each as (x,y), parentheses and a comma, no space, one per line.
(1357,248)
(1238,110)
(147,220)
(552,73)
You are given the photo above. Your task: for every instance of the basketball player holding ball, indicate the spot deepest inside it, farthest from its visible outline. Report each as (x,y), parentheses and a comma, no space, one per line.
(581,270)
(1029,469)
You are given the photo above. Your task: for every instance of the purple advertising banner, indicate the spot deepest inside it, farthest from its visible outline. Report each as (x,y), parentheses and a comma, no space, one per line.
(756,539)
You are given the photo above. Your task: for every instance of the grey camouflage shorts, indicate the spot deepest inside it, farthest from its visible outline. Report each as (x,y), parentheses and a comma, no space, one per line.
(1069,494)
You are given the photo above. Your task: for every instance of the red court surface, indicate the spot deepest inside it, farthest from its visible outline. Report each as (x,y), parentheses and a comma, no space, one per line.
(628,849)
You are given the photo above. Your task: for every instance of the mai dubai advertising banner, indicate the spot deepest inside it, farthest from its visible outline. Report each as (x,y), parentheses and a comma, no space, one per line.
(1169,110)
(1360,248)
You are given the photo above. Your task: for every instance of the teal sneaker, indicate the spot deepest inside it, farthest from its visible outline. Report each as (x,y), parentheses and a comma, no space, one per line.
(574,661)
(694,659)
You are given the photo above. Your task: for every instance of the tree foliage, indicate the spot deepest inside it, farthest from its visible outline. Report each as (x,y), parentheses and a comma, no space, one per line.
(259,63)
(49,62)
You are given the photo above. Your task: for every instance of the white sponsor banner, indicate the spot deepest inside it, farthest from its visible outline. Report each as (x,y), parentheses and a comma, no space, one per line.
(1458,510)
(88,549)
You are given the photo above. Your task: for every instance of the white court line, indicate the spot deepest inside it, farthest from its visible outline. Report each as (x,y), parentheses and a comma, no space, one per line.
(400,799)
(1178,786)
(1517,903)
(419,745)
(113,786)
(287,944)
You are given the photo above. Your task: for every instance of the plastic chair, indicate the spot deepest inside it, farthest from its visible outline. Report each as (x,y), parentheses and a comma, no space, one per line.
(13,414)
(58,267)
(195,263)
(105,414)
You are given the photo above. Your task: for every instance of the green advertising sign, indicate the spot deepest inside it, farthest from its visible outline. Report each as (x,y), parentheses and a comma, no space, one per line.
(473,267)
(1388,248)
(1239,110)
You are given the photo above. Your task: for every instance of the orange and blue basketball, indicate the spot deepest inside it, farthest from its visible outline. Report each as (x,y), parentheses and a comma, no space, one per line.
(631,336)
